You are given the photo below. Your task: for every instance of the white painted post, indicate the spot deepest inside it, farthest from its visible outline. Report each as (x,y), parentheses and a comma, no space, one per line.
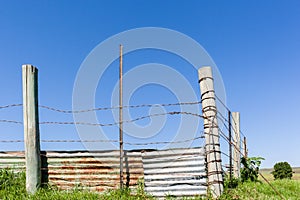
(31,128)
(212,146)
(236,144)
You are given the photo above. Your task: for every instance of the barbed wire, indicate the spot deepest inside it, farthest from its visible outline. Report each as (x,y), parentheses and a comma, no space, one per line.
(112,141)
(223,135)
(219,99)
(108,124)
(10,121)
(226,127)
(126,121)
(273,188)
(118,107)
(11,141)
(10,106)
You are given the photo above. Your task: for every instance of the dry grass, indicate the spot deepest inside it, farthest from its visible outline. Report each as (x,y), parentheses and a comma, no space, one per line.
(267,174)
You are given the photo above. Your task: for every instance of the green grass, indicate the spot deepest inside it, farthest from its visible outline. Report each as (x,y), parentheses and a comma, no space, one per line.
(12,186)
(289,189)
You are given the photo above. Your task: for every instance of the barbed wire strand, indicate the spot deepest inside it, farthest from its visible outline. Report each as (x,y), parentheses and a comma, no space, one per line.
(10,106)
(118,107)
(102,141)
(10,121)
(273,188)
(226,127)
(219,99)
(126,121)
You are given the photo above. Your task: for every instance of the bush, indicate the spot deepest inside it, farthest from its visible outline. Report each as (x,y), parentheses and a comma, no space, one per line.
(250,169)
(282,170)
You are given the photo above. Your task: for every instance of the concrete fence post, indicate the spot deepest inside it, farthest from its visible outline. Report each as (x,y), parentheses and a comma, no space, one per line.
(31,128)
(212,146)
(236,144)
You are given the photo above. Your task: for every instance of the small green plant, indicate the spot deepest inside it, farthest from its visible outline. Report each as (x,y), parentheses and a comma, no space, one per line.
(231,183)
(282,170)
(250,169)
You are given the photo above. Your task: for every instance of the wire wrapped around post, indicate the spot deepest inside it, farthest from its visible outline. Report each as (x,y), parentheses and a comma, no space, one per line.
(212,146)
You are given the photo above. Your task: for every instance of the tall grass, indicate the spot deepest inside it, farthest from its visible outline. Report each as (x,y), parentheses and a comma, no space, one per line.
(12,186)
(288,189)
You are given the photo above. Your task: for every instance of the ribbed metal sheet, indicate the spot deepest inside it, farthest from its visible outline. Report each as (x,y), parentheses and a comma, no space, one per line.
(12,160)
(175,172)
(96,171)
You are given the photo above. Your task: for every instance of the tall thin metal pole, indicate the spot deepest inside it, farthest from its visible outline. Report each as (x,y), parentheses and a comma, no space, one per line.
(230,145)
(121,115)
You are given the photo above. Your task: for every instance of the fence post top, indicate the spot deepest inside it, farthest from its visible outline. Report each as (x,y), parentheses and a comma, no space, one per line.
(205,72)
(29,66)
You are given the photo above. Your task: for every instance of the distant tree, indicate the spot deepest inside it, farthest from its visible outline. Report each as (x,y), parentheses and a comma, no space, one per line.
(282,170)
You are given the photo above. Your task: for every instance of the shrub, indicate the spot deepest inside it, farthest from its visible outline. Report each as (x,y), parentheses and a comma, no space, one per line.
(250,169)
(282,170)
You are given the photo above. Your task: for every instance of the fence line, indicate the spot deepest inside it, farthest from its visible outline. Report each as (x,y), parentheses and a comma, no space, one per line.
(118,107)
(107,108)
(111,124)
(231,143)
(126,121)
(223,119)
(10,121)
(114,141)
(10,106)
(224,105)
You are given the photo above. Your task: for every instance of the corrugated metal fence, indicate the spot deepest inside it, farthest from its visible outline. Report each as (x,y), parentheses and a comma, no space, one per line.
(175,172)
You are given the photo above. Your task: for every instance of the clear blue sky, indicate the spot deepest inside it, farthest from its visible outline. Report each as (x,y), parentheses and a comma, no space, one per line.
(255,45)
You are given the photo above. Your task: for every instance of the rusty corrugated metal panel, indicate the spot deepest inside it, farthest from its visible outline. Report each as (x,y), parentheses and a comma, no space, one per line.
(175,172)
(12,160)
(96,171)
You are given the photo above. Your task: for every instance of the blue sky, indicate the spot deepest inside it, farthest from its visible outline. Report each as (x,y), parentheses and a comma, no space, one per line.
(255,45)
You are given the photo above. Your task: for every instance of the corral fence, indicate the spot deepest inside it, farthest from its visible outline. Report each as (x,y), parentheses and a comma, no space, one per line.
(173,172)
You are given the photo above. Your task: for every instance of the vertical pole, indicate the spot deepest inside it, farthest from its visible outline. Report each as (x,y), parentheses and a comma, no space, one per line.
(230,145)
(121,115)
(31,128)
(212,146)
(237,144)
(245,148)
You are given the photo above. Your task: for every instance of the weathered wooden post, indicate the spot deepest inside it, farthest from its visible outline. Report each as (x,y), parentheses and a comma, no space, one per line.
(31,128)
(212,147)
(245,148)
(230,145)
(236,144)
